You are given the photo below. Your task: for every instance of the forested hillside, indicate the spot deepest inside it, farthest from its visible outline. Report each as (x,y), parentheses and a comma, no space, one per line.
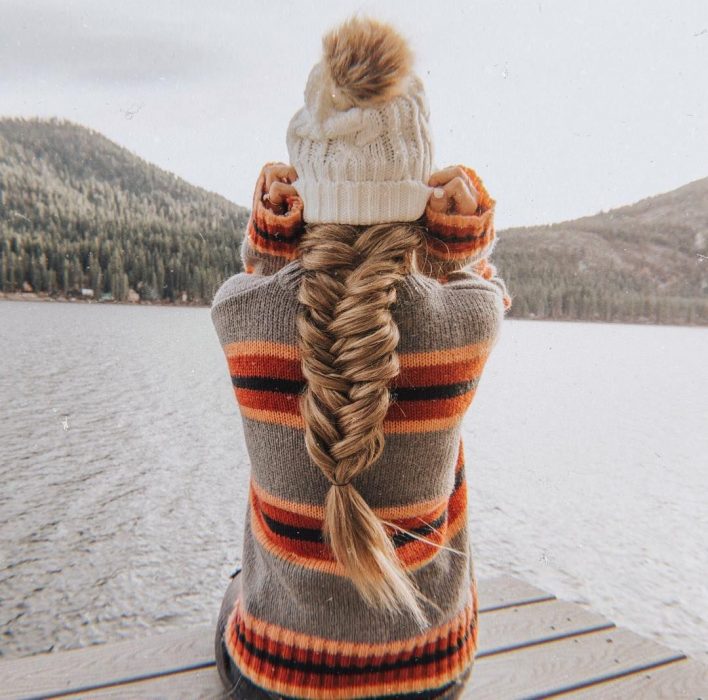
(79,212)
(645,262)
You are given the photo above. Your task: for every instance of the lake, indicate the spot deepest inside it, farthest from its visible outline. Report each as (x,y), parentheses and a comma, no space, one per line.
(125,475)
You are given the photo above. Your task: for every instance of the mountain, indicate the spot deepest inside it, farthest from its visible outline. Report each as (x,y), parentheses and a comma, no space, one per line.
(78,211)
(644,262)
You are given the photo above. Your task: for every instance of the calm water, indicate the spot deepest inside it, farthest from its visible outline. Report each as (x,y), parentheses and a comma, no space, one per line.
(124,473)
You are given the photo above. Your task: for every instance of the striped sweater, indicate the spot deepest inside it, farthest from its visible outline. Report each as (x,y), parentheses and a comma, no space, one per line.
(300,628)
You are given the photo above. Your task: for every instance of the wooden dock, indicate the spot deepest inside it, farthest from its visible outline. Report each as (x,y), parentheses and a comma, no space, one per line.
(531,645)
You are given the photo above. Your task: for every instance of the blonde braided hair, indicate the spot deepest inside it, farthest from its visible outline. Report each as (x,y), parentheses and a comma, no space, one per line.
(347,339)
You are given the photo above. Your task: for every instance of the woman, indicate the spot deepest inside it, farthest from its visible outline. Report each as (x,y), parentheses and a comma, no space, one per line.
(355,339)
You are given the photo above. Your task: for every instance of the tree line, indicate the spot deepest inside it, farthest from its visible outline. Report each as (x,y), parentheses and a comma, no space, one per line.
(79,212)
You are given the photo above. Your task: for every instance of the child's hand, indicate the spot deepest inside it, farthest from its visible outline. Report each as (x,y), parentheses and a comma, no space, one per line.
(277,191)
(454,192)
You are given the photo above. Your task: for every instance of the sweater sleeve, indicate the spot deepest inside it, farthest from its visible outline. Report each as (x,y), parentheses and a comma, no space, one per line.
(459,246)
(271,239)
(269,243)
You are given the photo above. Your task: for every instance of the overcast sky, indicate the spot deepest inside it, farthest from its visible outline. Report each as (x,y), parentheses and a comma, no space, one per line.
(564,107)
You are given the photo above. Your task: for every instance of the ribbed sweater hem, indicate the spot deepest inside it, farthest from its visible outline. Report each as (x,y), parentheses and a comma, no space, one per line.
(297,665)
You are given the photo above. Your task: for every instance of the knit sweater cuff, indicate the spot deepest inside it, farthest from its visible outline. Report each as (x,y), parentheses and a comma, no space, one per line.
(271,239)
(456,240)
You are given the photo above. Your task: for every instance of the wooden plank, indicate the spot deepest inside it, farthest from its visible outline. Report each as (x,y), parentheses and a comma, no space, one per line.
(514,615)
(685,679)
(508,628)
(505,591)
(680,680)
(553,668)
(169,652)
(43,675)
(190,685)
(502,629)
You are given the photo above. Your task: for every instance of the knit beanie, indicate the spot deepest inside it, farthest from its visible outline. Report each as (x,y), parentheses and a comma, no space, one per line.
(361,144)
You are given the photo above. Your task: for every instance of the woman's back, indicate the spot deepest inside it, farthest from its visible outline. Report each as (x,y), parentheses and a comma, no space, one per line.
(299,627)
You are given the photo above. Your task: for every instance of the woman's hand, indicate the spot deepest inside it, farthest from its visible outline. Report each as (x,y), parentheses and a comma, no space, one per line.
(277,189)
(454,192)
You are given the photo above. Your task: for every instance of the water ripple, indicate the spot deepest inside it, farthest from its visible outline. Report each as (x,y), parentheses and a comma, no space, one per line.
(125,474)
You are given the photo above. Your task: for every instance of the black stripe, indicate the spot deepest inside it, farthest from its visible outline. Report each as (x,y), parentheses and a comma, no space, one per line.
(237,679)
(321,668)
(284,386)
(400,538)
(275,236)
(468,238)
(409,393)
(444,238)
(308,534)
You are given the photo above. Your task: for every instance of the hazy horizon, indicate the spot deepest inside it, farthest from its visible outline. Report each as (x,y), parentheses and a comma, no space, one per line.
(564,109)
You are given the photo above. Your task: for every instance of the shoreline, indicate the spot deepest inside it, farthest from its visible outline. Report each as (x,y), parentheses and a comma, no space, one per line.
(31,296)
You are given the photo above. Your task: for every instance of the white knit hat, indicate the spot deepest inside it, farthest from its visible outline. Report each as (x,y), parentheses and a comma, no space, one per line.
(361,164)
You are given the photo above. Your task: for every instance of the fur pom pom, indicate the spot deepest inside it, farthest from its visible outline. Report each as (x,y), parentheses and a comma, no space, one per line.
(367,61)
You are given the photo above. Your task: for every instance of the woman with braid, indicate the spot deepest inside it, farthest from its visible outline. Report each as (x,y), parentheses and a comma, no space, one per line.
(355,339)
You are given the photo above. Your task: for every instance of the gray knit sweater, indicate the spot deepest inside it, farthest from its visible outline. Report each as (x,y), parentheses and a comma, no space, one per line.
(300,628)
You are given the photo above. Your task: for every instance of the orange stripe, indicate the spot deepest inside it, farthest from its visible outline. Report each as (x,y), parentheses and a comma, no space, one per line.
(281,249)
(287,644)
(260,365)
(423,358)
(255,365)
(276,401)
(293,519)
(363,650)
(273,404)
(319,556)
(288,517)
(402,427)
(262,347)
(316,512)
(430,408)
(453,372)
